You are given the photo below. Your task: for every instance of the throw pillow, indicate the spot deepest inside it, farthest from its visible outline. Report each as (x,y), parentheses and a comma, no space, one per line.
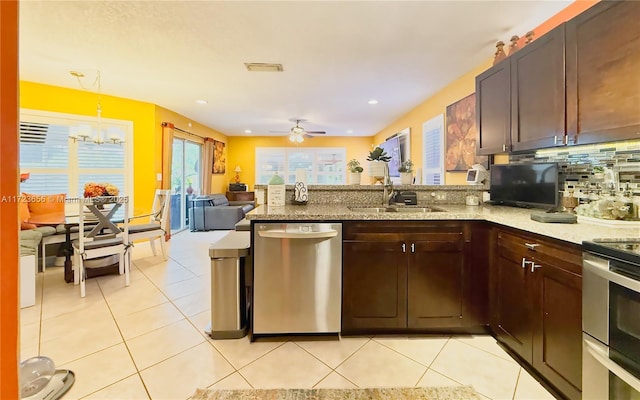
(43,204)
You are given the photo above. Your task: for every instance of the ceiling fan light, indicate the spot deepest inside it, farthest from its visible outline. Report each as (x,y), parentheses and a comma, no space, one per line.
(297,130)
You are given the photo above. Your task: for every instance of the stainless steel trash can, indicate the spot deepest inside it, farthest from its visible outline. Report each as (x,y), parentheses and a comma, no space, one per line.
(228,293)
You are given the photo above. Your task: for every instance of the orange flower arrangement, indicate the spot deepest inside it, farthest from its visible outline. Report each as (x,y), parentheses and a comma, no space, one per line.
(93,189)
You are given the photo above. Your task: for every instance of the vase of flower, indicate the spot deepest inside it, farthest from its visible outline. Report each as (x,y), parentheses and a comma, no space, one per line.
(378,163)
(355,171)
(406,172)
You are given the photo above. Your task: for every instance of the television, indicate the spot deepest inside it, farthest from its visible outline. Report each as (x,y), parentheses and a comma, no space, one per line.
(525,185)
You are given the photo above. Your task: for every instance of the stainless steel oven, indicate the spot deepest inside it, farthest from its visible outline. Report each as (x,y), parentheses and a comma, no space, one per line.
(611,320)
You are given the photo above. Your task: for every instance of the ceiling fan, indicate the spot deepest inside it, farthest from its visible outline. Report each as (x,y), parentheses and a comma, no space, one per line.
(298,133)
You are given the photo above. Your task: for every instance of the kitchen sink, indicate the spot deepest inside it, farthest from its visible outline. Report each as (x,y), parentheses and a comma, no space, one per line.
(410,210)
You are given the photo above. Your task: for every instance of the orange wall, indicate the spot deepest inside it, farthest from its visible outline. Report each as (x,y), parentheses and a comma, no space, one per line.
(242,152)
(218,182)
(459,89)
(8,210)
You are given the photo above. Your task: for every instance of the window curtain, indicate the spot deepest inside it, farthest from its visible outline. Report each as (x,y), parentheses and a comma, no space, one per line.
(167,154)
(207,165)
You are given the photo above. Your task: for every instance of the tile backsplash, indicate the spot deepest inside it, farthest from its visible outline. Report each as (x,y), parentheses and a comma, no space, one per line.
(577,162)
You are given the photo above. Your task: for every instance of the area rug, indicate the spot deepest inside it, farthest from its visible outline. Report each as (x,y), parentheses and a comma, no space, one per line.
(422,393)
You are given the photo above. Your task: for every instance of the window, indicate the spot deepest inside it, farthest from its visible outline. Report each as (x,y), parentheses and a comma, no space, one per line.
(324,165)
(58,164)
(433,151)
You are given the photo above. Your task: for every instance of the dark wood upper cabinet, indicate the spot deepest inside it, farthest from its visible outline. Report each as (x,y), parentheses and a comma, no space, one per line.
(538,93)
(603,73)
(493,109)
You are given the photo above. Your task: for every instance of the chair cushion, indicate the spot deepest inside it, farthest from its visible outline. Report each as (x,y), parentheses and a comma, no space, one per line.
(96,244)
(74,229)
(46,230)
(143,228)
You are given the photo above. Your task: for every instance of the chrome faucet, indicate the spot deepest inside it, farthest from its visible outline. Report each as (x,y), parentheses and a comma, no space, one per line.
(387,192)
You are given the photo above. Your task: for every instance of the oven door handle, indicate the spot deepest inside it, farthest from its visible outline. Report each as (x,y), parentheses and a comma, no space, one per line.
(602,270)
(599,352)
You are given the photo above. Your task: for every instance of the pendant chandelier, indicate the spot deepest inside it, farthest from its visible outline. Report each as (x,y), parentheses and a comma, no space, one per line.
(86,133)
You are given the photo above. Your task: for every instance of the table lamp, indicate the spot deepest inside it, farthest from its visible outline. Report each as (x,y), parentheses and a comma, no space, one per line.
(237,170)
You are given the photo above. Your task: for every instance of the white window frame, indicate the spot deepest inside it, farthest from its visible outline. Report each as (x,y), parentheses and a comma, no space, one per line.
(55,118)
(314,174)
(433,126)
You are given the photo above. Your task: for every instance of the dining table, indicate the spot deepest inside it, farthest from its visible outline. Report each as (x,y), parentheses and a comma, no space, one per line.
(97,220)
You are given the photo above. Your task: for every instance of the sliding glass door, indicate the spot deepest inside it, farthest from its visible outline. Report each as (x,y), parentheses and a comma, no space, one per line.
(185,180)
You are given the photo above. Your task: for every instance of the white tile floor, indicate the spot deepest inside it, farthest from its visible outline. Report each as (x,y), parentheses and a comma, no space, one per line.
(147,341)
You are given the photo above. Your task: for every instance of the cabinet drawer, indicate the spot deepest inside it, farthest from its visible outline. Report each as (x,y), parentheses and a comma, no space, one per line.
(400,230)
(564,255)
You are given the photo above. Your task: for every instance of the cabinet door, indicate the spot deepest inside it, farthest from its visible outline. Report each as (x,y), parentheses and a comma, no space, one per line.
(603,83)
(511,314)
(538,93)
(374,285)
(436,282)
(493,112)
(557,345)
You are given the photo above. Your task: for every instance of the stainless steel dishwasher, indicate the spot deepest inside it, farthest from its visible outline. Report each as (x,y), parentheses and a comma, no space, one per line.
(297,278)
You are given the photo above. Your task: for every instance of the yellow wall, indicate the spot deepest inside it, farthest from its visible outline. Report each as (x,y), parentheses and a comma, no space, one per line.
(57,99)
(433,106)
(218,182)
(242,151)
(147,132)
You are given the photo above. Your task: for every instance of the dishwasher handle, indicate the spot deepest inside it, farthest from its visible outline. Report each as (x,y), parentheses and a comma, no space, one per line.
(281,234)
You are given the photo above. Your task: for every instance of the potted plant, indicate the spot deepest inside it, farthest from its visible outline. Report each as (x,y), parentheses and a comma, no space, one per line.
(598,171)
(378,159)
(355,171)
(406,172)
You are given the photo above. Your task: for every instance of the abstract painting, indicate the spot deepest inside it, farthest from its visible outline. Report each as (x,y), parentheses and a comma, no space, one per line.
(219,157)
(460,151)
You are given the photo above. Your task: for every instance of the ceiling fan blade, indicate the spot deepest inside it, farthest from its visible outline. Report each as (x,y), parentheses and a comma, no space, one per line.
(279,131)
(316,132)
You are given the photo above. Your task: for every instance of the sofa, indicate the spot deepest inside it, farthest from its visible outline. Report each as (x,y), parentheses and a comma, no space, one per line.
(215,211)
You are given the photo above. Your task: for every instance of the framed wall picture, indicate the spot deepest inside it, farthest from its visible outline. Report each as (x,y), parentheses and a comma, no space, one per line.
(219,157)
(460,136)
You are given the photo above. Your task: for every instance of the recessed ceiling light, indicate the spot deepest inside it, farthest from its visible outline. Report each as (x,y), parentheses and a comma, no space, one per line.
(373,101)
(349,131)
(201,101)
(247,131)
(264,67)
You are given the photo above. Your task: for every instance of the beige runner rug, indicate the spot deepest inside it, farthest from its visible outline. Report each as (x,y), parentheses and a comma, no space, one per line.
(422,393)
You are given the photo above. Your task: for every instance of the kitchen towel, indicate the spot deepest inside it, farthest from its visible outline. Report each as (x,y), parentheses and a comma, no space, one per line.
(300,193)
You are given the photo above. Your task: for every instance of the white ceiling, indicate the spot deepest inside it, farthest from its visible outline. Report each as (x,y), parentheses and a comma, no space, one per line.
(336,55)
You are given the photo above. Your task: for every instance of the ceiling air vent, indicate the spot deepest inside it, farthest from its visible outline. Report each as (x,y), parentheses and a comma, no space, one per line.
(33,132)
(264,67)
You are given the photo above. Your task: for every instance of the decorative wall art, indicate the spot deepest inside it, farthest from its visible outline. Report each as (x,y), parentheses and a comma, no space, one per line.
(460,153)
(219,157)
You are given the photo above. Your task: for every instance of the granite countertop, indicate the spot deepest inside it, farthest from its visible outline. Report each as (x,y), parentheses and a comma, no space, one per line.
(508,216)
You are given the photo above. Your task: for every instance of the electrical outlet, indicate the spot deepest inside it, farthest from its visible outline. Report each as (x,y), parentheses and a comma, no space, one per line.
(440,196)
(423,196)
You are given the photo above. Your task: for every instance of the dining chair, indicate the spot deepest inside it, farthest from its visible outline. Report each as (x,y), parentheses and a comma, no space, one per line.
(156,228)
(104,239)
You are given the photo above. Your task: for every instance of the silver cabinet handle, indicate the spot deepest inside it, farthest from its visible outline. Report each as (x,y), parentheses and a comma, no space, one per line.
(404,248)
(504,147)
(531,246)
(413,247)
(534,266)
(525,262)
(558,140)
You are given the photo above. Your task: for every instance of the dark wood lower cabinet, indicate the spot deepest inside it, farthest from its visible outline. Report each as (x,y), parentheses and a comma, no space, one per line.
(435,293)
(536,305)
(412,276)
(374,285)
